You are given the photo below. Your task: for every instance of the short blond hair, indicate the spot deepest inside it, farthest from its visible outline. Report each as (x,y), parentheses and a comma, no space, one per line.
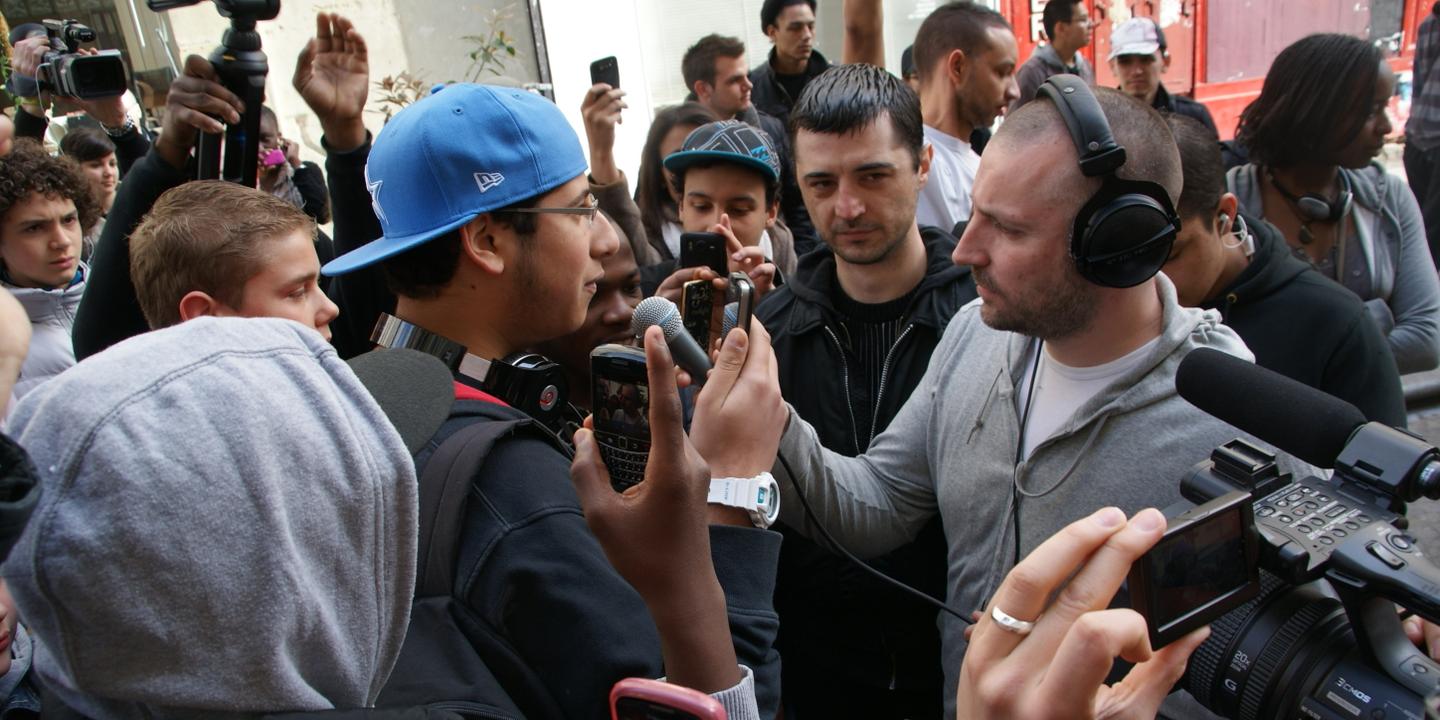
(210,236)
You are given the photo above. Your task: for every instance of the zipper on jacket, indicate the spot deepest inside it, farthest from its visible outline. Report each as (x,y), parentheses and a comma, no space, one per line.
(845,376)
(884,375)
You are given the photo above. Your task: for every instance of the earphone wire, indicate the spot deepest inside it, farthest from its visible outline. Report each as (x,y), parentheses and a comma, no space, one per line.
(800,493)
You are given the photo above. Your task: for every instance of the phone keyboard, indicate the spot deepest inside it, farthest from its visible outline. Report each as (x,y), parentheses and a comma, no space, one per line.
(625,458)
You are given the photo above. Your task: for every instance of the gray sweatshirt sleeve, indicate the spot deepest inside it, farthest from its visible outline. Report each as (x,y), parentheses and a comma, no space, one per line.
(1415,300)
(878,501)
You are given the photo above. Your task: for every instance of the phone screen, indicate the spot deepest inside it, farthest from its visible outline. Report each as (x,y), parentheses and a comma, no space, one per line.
(621,408)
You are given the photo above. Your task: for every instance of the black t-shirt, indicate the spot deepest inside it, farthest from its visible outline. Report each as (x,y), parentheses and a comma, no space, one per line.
(869,331)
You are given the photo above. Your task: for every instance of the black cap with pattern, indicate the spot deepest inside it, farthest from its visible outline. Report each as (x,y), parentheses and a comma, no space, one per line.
(728,141)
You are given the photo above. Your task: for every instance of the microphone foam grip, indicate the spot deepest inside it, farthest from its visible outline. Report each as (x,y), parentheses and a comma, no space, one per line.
(1290,415)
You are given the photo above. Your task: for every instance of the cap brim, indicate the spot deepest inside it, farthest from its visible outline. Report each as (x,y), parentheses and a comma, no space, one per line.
(386,247)
(1146,48)
(677,161)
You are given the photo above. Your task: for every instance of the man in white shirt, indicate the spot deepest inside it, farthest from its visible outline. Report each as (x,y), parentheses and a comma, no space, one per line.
(966,57)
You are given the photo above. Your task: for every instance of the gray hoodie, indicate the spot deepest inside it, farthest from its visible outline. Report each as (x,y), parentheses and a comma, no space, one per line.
(52,316)
(228,525)
(952,450)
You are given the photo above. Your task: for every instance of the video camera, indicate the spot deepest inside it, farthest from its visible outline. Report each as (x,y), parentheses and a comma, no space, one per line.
(1316,566)
(242,67)
(66,73)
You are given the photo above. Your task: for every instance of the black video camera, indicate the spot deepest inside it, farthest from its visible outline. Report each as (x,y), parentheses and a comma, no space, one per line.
(64,72)
(1316,566)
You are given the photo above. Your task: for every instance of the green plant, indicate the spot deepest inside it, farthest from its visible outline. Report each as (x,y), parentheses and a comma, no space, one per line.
(494,49)
(397,91)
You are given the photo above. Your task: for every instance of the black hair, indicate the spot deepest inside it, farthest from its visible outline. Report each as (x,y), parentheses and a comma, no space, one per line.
(848,98)
(1056,12)
(907,62)
(699,62)
(770,11)
(1317,97)
(85,144)
(267,112)
(954,26)
(1200,164)
(651,195)
(423,271)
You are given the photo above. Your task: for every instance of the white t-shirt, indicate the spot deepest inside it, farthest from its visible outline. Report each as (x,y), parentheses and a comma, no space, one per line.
(1060,390)
(945,199)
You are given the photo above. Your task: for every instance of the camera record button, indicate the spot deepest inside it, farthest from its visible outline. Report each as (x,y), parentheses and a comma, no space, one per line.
(1385,556)
(1401,543)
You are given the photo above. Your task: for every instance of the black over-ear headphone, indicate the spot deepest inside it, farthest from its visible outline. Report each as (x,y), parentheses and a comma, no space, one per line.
(1122,235)
(527,382)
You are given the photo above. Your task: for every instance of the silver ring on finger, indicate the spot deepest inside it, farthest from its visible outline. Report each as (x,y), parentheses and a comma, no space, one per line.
(1011,624)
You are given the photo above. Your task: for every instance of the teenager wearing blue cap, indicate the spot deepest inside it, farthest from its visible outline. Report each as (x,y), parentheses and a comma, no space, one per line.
(491,242)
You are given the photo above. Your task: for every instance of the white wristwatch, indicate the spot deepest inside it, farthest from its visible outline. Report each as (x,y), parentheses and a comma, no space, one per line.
(759,496)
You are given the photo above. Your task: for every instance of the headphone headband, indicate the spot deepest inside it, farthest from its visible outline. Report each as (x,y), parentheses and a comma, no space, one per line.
(1099,154)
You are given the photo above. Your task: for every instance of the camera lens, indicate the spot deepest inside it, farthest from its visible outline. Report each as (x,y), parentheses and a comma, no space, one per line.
(1265,657)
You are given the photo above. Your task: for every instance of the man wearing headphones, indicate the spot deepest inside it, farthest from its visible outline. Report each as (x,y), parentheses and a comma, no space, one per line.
(1054,394)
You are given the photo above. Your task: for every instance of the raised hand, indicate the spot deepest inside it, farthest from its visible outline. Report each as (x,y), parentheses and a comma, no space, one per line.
(332,74)
(194,98)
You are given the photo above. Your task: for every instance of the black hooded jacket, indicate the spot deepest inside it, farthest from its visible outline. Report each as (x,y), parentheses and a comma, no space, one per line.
(841,628)
(1305,326)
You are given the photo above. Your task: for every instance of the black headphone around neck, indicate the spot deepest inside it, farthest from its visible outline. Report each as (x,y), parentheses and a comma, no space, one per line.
(528,382)
(1316,207)
(1122,235)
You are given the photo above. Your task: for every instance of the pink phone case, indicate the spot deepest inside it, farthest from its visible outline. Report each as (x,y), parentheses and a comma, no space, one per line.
(665,695)
(273,158)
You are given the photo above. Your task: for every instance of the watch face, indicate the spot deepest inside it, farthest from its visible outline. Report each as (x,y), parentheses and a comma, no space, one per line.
(767,501)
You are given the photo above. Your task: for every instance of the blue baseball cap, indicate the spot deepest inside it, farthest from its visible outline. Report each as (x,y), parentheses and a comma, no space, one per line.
(464,150)
(728,141)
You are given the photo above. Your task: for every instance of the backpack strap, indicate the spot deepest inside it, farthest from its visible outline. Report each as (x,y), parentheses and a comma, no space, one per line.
(444,488)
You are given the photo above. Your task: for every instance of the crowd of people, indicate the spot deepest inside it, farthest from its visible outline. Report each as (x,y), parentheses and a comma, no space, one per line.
(250,469)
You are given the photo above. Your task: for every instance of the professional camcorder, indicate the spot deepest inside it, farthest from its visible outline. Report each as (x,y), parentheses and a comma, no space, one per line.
(66,73)
(1316,566)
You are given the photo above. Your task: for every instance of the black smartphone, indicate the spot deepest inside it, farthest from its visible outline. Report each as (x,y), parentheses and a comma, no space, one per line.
(605,70)
(1206,565)
(704,249)
(697,303)
(742,293)
(620,404)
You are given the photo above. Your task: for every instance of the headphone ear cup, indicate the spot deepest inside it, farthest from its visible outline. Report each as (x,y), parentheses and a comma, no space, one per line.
(1124,242)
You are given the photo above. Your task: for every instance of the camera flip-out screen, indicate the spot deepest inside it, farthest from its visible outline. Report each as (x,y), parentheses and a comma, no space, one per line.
(1205,566)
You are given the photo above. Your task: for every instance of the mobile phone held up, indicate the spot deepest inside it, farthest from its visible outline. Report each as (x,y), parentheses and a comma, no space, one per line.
(704,249)
(644,699)
(620,405)
(605,70)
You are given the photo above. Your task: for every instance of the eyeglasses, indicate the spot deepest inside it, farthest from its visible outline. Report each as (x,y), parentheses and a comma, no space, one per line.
(589,209)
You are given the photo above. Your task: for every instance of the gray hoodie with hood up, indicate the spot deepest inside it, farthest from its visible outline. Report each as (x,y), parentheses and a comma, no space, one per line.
(952,450)
(228,527)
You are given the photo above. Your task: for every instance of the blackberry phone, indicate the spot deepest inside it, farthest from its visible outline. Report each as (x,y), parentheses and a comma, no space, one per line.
(620,405)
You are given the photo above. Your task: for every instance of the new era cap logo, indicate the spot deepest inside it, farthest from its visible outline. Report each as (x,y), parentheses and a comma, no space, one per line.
(488,180)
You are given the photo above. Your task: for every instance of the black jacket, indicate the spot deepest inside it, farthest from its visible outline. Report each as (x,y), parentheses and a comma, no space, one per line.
(1181,105)
(362,294)
(769,96)
(845,637)
(1303,325)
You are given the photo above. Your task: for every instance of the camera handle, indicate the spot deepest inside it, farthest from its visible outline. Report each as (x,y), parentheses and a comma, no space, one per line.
(242,67)
(1374,570)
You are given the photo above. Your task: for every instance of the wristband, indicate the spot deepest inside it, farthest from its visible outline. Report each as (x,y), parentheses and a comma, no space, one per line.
(758,496)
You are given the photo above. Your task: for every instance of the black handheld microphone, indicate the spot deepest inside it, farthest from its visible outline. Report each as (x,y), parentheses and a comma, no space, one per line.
(1290,415)
(687,354)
